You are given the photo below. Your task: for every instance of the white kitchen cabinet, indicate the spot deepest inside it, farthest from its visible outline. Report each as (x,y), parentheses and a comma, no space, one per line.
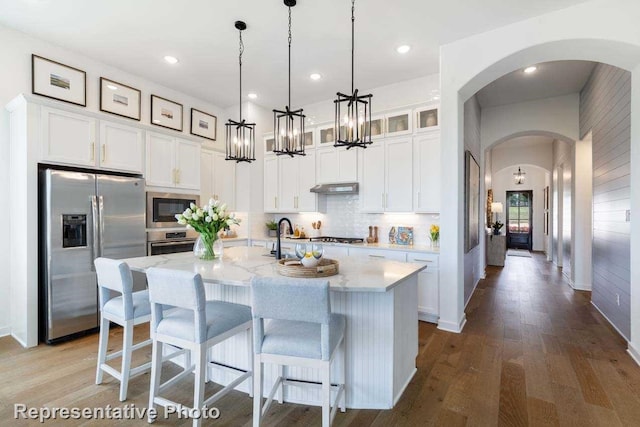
(325,135)
(121,147)
(335,252)
(296,176)
(386,177)
(172,162)
(428,286)
(427,170)
(427,118)
(217,178)
(269,143)
(68,138)
(336,165)
(271,184)
(399,123)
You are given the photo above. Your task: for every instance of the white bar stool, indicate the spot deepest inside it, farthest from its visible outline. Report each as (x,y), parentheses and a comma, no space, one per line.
(127,309)
(301,331)
(182,317)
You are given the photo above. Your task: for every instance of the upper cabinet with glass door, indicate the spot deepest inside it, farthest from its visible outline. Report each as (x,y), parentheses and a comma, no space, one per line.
(269,143)
(325,135)
(398,123)
(377,127)
(427,118)
(309,138)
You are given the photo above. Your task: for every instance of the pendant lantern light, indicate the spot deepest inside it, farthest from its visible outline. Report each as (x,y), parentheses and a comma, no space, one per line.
(240,135)
(288,124)
(353,112)
(518,177)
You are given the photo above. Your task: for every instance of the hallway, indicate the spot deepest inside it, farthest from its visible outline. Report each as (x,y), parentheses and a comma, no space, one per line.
(533,352)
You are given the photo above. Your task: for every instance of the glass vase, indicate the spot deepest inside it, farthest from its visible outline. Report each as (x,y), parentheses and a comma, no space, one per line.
(435,244)
(205,247)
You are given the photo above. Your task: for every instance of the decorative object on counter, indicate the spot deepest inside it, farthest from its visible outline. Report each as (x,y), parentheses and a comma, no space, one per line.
(434,235)
(316,227)
(240,141)
(58,81)
(325,267)
(208,220)
(203,124)
(405,236)
(309,254)
(370,238)
(272,228)
(392,236)
(119,99)
(496,208)
(165,113)
(296,231)
(353,111)
(375,234)
(288,124)
(471,202)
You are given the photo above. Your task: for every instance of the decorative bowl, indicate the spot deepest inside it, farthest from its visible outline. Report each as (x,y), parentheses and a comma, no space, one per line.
(309,261)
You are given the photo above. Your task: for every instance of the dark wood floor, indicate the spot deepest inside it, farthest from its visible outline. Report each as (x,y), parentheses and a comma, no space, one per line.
(533,352)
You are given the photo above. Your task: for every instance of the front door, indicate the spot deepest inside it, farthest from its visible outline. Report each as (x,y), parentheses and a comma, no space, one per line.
(519,215)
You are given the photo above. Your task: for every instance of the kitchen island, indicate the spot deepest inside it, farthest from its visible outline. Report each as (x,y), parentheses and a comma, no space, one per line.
(378,297)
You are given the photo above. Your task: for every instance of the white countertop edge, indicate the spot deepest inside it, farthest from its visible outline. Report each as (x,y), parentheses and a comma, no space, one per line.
(379,246)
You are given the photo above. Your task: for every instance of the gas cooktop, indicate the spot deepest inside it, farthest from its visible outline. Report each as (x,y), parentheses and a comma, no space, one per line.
(329,239)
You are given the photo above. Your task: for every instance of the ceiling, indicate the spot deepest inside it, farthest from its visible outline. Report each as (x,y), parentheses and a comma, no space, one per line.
(524,141)
(550,79)
(135,35)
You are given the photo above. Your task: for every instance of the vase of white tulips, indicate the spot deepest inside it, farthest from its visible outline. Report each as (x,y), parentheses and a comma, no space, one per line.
(207,220)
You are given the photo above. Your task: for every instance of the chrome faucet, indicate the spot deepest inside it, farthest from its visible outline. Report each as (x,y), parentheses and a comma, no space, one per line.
(278,250)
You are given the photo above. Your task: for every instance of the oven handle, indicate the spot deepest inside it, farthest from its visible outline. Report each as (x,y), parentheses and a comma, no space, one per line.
(163,244)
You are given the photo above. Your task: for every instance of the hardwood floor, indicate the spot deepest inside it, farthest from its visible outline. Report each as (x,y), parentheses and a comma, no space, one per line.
(534,352)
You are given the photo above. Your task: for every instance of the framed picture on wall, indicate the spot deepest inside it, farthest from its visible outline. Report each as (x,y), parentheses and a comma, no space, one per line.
(119,99)
(166,113)
(203,124)
(471,202)
(58,81)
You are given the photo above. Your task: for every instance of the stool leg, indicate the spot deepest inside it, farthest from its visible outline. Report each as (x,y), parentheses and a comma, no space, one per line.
(257,390)
(156,370)
(281,388)
(326,394)
(126,359)
(102,347)
(343,375)
(198,394)
(250,358)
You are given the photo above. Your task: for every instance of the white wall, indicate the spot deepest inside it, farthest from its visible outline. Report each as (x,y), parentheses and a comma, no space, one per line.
(529,150)
(15,75)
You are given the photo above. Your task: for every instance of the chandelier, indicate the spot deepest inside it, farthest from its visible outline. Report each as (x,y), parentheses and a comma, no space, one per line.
(518,177)
(240,135)
(288,124)
(353,112)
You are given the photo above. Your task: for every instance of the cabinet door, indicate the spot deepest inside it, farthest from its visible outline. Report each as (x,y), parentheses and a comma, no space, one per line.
(188,164)
(347,165)
(121,147)
(288,173)
(399,177)
(160,167)
(372,189)
(206,176)
(307,179)
(428,296)
(326,165)
(399,123)
(224,180)
(271,184)
(68,138)
(427,169)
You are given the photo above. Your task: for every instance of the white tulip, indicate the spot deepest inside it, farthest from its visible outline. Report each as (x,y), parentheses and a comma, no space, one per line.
(195,216)
(179,216)
(216,203)
(223,207)
(200,212)
(230,221)
(187,214)
(208,219)
(193,206)
(189,226)
(211,202)
(182,222)
(214,216)
(187,211)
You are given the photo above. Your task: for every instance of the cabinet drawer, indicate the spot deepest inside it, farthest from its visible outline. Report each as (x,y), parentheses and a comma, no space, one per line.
(380,254)
(427,258)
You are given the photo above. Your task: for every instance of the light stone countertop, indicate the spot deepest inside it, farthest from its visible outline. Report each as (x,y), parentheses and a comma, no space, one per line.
(381,246)
(239,264)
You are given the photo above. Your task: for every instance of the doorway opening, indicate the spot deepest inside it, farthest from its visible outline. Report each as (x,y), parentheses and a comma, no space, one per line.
(519,216)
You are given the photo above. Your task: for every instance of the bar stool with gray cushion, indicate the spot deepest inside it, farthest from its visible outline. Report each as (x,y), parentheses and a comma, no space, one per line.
(300,331)
(182,317)
(126,309)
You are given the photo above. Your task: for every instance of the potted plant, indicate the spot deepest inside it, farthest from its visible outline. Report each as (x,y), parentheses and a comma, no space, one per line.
(272,226)
(496,226)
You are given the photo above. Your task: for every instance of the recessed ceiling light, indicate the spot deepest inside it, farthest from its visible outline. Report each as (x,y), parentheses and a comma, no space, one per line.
(112,87)
(530,70)
(403,49)
(252,95)
(315,76)
(171,59)
(436,97)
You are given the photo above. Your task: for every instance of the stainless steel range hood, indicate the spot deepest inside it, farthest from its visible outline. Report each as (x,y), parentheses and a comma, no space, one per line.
(341,188)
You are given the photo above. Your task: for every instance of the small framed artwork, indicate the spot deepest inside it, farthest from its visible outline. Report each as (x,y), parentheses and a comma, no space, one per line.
(119,99)
(404,236)
(166,113)
(203,124)
(58,81)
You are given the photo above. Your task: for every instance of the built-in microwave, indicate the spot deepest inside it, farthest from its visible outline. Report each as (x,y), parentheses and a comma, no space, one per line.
(162,208)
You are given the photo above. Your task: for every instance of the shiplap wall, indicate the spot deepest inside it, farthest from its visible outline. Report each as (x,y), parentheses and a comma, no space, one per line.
(605,108)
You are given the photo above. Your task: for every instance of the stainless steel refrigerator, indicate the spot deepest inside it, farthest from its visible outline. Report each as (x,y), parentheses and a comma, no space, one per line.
(84,216)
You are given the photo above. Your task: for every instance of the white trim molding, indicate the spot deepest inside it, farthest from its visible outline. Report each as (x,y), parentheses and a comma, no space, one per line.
(4,331)
(451,326)
(633,352)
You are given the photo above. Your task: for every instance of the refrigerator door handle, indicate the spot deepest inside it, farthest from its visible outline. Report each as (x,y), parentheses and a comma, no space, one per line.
(101,226)
(95,248)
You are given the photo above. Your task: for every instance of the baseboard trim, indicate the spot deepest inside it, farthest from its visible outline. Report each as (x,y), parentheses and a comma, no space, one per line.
(428,317)
(610,322)
(404,387)
(4,331)
(633,352)
(582,287)
(22,343)
(455,327)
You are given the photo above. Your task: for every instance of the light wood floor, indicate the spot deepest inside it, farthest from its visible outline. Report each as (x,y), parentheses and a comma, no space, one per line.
(533,352)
